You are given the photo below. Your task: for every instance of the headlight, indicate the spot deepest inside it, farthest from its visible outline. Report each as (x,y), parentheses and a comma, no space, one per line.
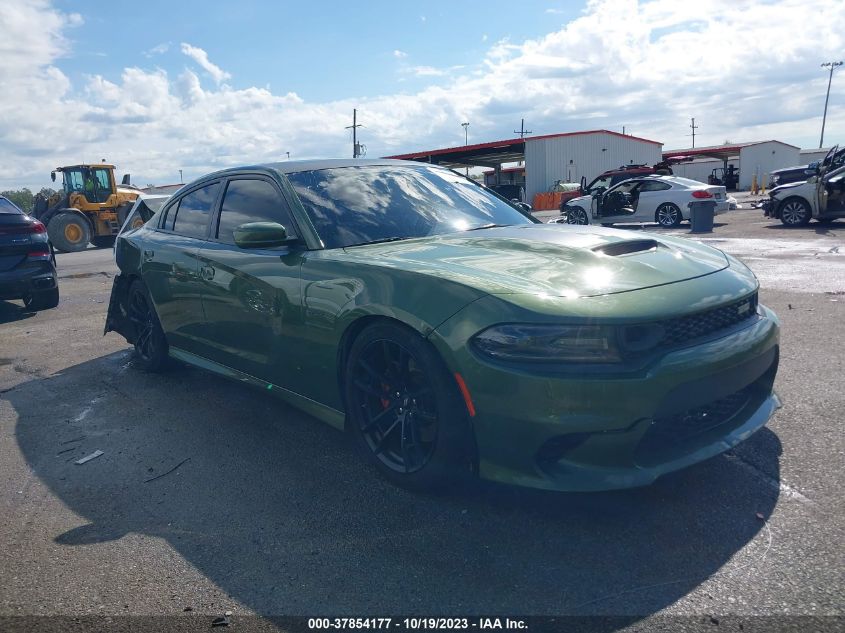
(549,343)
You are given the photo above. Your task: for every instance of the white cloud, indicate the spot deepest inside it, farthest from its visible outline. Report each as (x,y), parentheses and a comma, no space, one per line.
(159,49)
(400,54)
(201,58)
(649,66)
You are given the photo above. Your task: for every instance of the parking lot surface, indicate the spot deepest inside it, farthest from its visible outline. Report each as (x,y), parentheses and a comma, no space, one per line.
(210,496)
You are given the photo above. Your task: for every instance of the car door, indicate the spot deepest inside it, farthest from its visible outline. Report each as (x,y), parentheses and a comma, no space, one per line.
(610,209)
(251,297)
(651,193)
(170,267)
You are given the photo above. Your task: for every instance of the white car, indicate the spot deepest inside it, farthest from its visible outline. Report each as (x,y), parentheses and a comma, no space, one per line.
(661,199)
(822,196)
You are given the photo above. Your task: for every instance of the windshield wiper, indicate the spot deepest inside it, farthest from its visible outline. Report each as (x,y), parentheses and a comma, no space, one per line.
(488,226)
(381,241)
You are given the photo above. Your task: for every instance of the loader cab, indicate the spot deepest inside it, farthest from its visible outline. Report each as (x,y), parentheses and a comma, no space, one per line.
(95,182)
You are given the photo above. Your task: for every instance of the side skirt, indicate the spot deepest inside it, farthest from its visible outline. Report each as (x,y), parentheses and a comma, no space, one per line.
(320,411)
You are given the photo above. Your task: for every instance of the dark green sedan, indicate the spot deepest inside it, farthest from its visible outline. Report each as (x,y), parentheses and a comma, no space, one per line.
(449,332)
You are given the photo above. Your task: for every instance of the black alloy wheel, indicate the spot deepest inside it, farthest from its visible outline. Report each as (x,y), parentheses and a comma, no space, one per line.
(404,408)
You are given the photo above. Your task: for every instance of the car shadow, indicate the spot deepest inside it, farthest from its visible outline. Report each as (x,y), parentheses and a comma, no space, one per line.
(816,227)
(14,312)
(280,512)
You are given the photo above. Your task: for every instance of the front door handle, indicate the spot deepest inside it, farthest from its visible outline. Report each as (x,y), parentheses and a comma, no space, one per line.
(148,255)
(207,273)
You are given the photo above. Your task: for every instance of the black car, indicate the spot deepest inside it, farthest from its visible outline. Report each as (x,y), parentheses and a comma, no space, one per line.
(27,262)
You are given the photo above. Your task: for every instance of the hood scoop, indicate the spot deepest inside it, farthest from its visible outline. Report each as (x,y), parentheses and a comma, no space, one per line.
(626,247)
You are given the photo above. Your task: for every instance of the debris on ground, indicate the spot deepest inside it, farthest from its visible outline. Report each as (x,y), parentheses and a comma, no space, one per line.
(760,516)
(146,481)
(221,621)
(88,458)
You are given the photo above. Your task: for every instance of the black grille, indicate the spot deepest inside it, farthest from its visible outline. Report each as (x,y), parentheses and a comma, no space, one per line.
(672,431)
(695,326)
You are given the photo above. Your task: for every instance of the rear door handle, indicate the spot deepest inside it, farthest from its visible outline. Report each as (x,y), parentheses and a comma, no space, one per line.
(207,273)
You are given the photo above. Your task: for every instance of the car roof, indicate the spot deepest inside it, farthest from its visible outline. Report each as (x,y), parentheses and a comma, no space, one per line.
(294,166)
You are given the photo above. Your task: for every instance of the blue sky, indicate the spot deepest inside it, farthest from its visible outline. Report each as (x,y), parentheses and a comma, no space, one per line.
(156,87)
(321,50)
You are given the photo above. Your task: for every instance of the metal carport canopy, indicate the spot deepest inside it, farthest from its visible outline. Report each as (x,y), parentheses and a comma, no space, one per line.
(491,154)
(722,152)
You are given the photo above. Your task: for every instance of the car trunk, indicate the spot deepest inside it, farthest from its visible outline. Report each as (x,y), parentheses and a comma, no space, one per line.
(15,240)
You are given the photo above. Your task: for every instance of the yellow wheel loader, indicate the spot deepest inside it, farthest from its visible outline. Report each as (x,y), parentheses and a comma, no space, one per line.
(91,207)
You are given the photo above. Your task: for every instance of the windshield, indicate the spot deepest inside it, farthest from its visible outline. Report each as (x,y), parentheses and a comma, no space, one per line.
(358,205)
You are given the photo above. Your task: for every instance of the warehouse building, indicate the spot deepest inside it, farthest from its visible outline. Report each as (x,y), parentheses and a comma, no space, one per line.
(758,158)
(548,159)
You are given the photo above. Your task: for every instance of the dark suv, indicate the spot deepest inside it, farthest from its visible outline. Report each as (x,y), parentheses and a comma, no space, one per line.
(27,262)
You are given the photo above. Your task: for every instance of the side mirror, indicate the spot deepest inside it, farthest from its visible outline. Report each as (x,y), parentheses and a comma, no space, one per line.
(583,185)
(598,191)
(53,176)
(262,235)
(125,180)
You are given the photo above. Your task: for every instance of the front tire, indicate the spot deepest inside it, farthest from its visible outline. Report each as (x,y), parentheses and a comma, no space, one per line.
(150,342)
(795,212)
(577,215)
(42,299)
(404,409)
(668,215)
(69,232)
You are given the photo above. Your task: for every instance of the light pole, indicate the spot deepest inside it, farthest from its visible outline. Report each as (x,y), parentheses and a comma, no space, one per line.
(832,66)
(465,125)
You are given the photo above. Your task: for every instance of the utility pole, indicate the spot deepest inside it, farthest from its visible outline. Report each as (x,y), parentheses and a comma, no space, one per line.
(356,149)
(693,127)
(465,125)
(180,176)
(522,131)
(288,153)
(832,66)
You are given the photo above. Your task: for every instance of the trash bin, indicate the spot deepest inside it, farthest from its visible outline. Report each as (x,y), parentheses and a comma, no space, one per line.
(701,214)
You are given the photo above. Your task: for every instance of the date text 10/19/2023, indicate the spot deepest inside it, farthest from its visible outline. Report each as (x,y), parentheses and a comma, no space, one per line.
(417,623)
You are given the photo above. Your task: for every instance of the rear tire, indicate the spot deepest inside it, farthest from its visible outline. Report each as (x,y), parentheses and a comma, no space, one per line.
(42,299)
(69,232)
(404,409)
(668,215)
(150,342)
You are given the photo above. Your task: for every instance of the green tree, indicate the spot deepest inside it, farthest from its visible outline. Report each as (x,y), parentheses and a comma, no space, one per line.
(21,197)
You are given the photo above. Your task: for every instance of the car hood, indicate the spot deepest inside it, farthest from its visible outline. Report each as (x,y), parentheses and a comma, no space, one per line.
(582,201)
(548,259)
(786,188)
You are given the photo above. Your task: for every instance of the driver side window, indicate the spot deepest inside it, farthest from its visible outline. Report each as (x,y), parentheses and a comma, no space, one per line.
(251,200)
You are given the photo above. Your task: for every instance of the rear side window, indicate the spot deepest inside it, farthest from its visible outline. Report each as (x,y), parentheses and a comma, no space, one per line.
(653,185)
(251,200)
(190,216)
(6,206)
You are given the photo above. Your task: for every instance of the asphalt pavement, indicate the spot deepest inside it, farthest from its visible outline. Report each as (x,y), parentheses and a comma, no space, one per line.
(210,496)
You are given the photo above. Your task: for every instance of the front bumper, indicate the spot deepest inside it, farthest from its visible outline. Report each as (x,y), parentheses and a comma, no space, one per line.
(580,432)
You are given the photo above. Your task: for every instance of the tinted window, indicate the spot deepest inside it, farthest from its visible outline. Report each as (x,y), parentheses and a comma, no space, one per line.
(191,216)
(6,206)
(355,205)
(652,185)
(251,201)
